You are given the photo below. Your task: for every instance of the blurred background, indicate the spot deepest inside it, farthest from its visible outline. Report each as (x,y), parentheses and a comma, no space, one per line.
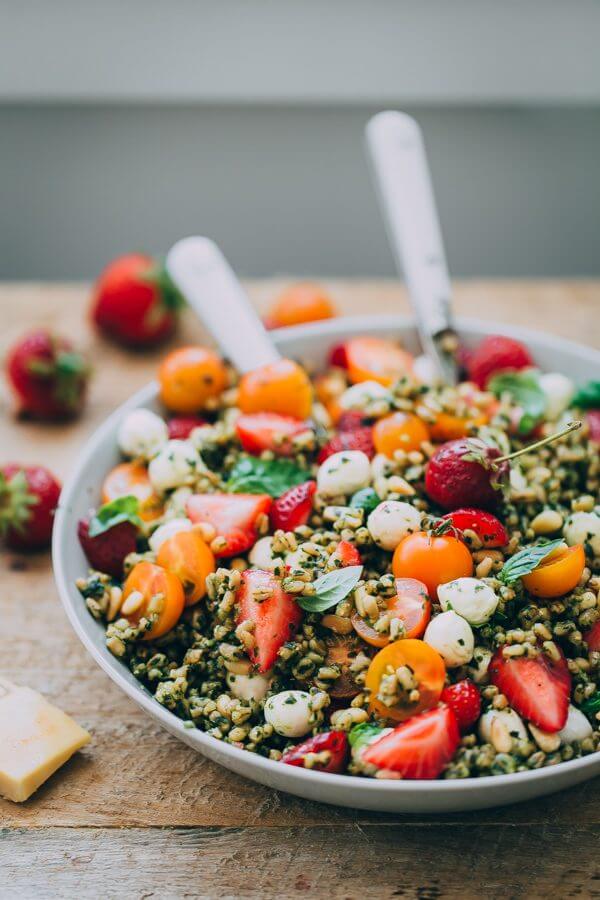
(126,125)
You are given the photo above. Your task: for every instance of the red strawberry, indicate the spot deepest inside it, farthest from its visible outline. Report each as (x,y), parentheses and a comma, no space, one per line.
(28,497)
(351,420)
(337,356)
(333,743)
(419,747)
(180,427)
(47,376)
(592,637)
(347,554)
(538,689)
(232,515)
(135,302)
(592,418)
(463,473)
(294,507)
(490,530)
(107,551)
(497,354)
(464,700)
(359,439)
(268,431)
(276,617)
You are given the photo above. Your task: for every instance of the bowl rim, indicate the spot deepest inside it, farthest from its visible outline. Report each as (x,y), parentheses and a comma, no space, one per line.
(295,776)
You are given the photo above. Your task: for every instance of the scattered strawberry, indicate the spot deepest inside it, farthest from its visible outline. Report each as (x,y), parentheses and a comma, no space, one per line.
(268,431)
(135,302)
(347,554)
(28,498)
(351,420)
(464,700)
(234,517)
(538,688)
(180,427)
(326,752)
(359,439)
(463,473)
(107,551)
(48,377)
(294,507)
(592,418)
(490,530)
(592,637)
(338,357)
(276,617)
(497,354)
(419,747)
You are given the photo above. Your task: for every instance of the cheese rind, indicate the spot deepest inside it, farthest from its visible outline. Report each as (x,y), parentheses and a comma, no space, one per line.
(36,739)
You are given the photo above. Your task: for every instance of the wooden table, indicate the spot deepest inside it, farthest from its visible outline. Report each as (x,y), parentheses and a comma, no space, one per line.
(138,814)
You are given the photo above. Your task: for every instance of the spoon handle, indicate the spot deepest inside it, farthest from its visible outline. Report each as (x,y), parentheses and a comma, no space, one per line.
(212,289)
(403,185)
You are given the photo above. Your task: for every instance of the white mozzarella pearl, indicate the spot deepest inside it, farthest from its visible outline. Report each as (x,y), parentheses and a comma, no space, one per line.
(289,713)
(166,531)
(480,664)
(360,395)
(142,434)
(559,391)
(344,473)
(248,687)
(452,637)
(391,521)
(261,556)
(514,724)
(175,465)
(583,528)
(471,598)
(577,727)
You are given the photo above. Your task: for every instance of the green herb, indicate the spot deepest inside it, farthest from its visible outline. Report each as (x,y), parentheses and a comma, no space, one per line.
(251,475)
(591,706)
(526,560)
(363,734)
(331,589)
(123,509)
(366,499)
(587,396)
(525,391)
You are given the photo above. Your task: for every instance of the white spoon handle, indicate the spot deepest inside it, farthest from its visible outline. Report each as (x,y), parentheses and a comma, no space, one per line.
(211,288)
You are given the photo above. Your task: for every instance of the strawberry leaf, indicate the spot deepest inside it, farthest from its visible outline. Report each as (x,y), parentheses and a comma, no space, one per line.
(251,475)
(331,589)
(526,560)
(123,509)
(525,391)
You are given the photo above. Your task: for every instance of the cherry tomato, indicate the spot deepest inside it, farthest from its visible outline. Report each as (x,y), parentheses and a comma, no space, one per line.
(328,390)
(132,478)
(411,604)
(189,557)
(280,387)
(400,431)
(427,667)
(189,377)
(376,359)
(558,573)
(490,530)
(162,595)
(299,303)
(449,428)
(432,560)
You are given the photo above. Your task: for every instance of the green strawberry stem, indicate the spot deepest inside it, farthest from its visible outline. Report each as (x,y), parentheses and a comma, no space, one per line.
(572,426)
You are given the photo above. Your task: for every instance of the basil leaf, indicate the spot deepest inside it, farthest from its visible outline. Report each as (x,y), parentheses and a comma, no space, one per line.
(331,589)
(363,734)
(365,499)
(251,475)
(123,509)
(526,560)
(525,391)
(591,706)
(587,396)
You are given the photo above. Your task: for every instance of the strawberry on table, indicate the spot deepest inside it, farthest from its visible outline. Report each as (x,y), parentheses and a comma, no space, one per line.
(538,689)
(326,752)
(268,431)
(464,700)
(494,354)
(180,427)
(294,507)
(28,498)
(233,516)
(275,615)
(358,439)
(418,748)
(48,377)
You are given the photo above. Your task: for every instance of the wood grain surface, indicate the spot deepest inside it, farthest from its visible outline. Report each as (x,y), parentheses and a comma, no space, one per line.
(136,813)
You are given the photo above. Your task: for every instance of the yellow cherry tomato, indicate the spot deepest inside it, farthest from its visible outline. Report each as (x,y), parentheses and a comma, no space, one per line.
(188,556)
(428,673)
(161,595)
(189,377)
(132,478)
(280,387)
(400,431)
(432,559)
(376,359)
(558,573)
(299,303)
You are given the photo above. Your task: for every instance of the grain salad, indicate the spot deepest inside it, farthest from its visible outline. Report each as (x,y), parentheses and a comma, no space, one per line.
(361,570)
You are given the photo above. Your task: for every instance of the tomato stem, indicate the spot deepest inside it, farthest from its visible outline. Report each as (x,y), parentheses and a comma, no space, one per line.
(572,426)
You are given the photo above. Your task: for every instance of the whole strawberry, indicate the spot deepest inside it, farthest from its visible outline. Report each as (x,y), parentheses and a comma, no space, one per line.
(47,376)
(135,302)
(28,498)
(464,472)
(464,700)
(497,354)
(107,550)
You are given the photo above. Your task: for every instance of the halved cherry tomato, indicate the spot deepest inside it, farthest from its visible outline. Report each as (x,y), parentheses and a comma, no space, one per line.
(428,670)
(268,431)
(558,573)
(188,556)
(400,431)
(303,302)
(376,359)
(132,478)
(328,390)
(189,377)
(447,427)
(490,530)
(162,594)
(411,604)
(432,560)
(280,387)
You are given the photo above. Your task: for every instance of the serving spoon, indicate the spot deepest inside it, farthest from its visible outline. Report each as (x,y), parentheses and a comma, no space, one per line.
(403,186)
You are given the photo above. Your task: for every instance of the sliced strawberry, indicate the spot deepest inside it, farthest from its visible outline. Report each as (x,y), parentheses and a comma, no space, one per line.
(294,507)
(347,554)
(268,431)
(419,747)
(180,427)
(332,743)
(359,439)
(232,515)
(489,529)
(338,357)
(592,637)
(464,700)
(592,418)
(107,551)
(276,616)
(351,420)
(538,689)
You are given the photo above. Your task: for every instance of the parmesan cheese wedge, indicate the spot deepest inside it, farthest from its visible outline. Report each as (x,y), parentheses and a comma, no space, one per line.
(36,739)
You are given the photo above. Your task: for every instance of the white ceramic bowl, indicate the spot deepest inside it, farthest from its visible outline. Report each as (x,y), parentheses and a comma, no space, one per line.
(307,342)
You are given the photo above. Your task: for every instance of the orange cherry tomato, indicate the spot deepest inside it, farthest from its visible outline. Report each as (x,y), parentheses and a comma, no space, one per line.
(411,604)
(189,377)
(400,431)
(328,390)
(303,302)
(449,428)
(376,359)
(189,557)
(428,671)
(279,387)
(434,560)
(558,573)
(162,594)
(132,478)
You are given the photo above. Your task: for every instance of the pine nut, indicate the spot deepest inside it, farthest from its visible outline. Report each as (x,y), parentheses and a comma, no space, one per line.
(132,603)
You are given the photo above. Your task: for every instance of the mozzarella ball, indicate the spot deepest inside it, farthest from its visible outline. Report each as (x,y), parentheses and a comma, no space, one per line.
(471,598)
(289,713)
(391,521)
(166,531)
(508,717)
(142,434)
(559,391)
(344,473)
(248,687)
(452,637)
(583,528)
(426,370)
(479,665)
(576,728)
(261,556)
(381,466)
(360,395)
(175,465)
